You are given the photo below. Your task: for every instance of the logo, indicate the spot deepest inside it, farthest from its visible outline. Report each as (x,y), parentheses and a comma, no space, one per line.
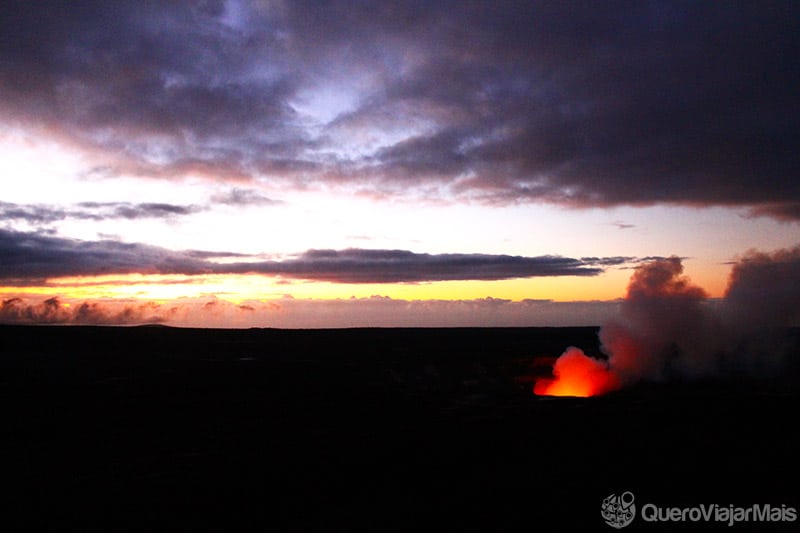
(618,511)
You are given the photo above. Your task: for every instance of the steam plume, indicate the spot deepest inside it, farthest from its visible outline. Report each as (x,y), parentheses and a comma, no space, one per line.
(665,326)
(669,328)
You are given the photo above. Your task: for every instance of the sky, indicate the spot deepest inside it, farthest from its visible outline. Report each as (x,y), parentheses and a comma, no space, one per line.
(336,164)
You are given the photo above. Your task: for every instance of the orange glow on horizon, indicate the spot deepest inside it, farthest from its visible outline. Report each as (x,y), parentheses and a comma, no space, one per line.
(239,288)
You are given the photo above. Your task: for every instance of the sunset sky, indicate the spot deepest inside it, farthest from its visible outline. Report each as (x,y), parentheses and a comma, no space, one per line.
(334,164)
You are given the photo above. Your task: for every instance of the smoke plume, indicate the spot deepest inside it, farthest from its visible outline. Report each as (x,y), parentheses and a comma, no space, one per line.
(668,328)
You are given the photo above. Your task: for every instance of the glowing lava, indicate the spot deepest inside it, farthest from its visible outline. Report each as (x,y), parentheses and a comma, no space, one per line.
(576,374)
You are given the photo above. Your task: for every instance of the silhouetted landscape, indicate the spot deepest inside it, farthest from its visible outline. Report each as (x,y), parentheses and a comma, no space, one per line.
(126,428)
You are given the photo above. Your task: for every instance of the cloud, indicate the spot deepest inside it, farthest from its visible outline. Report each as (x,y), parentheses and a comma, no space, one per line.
(97,211)
(784,211)
(33,214)
(631,103)
(29,258)
(393,266)
(375,311)
(378,311)
(141,210)
(243,197)
(53,311)
(623,225)
(160,89)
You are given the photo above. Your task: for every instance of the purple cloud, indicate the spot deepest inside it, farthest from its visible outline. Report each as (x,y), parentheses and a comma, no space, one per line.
(627,103)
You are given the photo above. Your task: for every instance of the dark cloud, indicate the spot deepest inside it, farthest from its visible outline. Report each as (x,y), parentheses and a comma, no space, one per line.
(167,88)
(33,257)
(206,254)
(142,210)
(579,104)
(623,225)
(97,211)
(27,258)
(34,214)
(784,211)
(243,197)
(608,261)
(392,266)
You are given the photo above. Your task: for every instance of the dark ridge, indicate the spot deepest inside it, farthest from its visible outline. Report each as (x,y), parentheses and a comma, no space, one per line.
(140,427)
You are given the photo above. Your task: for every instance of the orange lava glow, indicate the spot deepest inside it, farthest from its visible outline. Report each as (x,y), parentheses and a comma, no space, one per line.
(576,374)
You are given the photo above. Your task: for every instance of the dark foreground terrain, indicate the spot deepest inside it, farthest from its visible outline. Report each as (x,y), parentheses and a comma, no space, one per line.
(398,429)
